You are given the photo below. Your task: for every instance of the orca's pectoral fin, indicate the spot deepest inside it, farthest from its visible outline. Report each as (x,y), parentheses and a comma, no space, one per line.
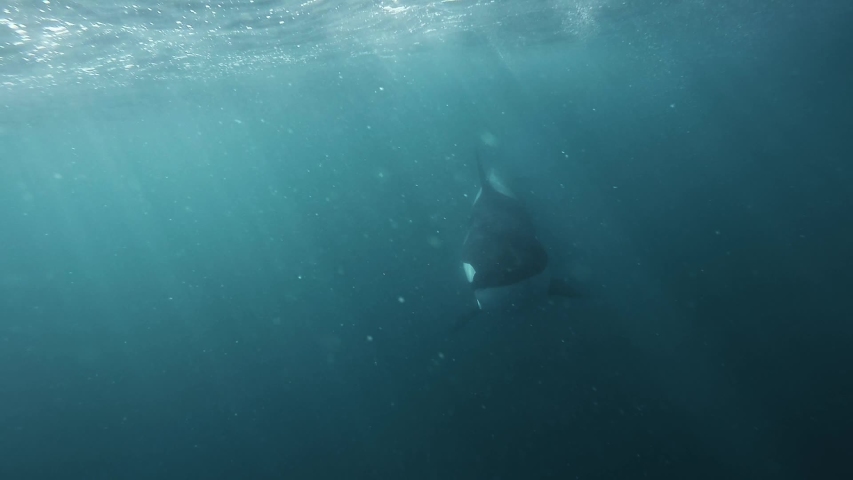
(462,320)
(561,288)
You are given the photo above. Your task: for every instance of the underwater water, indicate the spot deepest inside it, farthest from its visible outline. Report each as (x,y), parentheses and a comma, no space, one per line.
(230,236)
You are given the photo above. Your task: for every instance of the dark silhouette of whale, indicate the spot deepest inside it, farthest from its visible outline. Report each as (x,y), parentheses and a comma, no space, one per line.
(505,263)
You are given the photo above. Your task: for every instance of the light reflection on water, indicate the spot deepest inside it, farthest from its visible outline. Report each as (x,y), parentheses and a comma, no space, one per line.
(45,43)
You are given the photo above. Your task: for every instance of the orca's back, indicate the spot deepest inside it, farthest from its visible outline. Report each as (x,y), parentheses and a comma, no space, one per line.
(501,247)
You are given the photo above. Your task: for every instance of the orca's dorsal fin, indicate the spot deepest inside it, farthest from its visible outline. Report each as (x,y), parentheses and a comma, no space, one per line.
(490,183)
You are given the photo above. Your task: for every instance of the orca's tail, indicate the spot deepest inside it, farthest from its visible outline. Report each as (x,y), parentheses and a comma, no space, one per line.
(561,288)
(463,320)
(484,182)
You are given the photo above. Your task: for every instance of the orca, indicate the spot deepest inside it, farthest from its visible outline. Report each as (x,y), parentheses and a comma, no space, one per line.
(504,262)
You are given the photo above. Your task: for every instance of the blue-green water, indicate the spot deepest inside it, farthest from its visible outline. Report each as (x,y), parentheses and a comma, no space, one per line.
(229,239)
